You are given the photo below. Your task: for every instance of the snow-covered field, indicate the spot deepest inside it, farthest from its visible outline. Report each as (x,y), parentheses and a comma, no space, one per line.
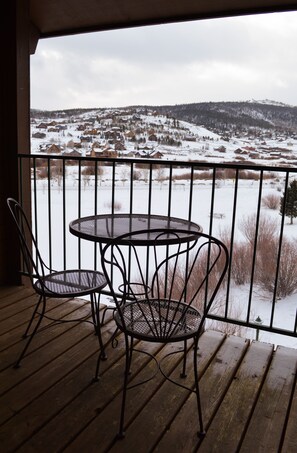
(246,202)
(195,143)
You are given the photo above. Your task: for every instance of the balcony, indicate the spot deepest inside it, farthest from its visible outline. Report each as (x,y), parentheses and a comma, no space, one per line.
(248,386)
(54,388)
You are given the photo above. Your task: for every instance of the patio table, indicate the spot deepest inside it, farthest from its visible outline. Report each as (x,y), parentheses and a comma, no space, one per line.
(104,227)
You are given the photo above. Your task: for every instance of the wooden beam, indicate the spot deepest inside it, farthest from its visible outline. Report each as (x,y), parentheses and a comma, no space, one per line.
(14,126)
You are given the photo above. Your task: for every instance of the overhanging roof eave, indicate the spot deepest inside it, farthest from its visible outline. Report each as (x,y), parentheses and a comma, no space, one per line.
(165,20)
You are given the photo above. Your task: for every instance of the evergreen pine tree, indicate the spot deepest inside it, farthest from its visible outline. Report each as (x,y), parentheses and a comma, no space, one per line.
(290,208)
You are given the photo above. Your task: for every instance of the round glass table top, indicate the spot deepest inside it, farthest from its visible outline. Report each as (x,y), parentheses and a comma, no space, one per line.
(104,227)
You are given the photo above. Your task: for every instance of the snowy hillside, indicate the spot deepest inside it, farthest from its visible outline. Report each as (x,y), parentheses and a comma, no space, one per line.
(147,132)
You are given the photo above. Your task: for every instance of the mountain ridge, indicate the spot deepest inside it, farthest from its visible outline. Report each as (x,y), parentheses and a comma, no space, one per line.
(219,117)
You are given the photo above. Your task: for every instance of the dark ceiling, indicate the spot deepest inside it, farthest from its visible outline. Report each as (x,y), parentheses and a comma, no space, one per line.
(65,17)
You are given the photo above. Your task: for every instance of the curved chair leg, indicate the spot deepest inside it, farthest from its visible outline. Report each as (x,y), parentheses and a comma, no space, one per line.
(201,432)
(32,317)
(97,326)
(43,299)
(128,347)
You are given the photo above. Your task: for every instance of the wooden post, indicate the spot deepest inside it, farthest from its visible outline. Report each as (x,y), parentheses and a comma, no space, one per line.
(14,126)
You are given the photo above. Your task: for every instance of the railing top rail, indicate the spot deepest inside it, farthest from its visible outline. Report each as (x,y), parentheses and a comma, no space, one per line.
(179,163)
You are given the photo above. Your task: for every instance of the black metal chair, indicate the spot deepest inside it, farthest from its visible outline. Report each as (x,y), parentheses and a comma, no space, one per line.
(52,284)
(163,293)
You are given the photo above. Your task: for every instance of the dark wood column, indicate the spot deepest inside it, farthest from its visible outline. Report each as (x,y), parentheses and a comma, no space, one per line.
(14,126)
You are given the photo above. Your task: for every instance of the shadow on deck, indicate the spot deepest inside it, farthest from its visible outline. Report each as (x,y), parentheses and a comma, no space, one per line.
(50,404)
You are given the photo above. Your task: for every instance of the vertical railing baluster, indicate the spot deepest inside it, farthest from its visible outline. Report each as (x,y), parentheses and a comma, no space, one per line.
(95,247)
(113,188)
(149,208)
(64,214)
(254,259)
(79,211)
(279,251)
(191,194)
(234,215)
(131,187)
(211,211)
(169,191)
(49,213)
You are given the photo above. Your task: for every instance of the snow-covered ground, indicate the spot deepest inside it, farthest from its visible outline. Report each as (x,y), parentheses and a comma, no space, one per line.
(195,143)
(247,200)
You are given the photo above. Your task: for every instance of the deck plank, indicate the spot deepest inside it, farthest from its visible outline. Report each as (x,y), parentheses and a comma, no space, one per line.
(8,293)
(290,438)
(84,409)
(104,427)
(213,386)
(14,336)
(267,424)
(102,431)
(159,412)
(227,427)
(51,404)
(41,341)
(38,369)
(47,407)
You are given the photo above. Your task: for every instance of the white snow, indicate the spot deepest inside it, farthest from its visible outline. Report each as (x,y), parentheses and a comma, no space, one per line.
(201,150)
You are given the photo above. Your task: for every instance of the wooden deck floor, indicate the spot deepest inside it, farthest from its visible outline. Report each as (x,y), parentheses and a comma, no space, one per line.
(50,403)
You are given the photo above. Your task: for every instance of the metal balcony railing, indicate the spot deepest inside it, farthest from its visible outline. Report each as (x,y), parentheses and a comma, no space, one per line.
(240,204)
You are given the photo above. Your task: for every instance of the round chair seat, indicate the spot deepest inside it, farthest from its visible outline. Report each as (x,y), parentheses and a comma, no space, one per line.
(70,283)
(159,320)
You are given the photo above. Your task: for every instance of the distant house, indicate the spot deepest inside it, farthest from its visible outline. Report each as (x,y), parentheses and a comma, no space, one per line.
(149,154)
(92,132)
(50,148)
(42,126)
(61,127)
(221,149)
(81,127)
(119,146)
(113,134)
(254,155)
(153,138)
(72,153)
(156,155)
(249,148)
(240,151)
(189,138)
(39,135)
(130,135)
(103,152)
(53,149)
(86,138)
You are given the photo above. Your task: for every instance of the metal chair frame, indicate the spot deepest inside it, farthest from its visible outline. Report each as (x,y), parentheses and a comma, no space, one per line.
(154,312)
(54,284)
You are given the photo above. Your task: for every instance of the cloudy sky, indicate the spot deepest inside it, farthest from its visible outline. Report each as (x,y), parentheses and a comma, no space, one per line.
(229,59)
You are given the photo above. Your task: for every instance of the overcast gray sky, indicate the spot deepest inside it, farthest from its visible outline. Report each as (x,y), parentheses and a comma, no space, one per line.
(231,59)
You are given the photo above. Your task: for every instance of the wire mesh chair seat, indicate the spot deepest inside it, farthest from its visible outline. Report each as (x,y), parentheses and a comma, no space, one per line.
(159,320)
(50,284)
(70,283)
(163,293)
